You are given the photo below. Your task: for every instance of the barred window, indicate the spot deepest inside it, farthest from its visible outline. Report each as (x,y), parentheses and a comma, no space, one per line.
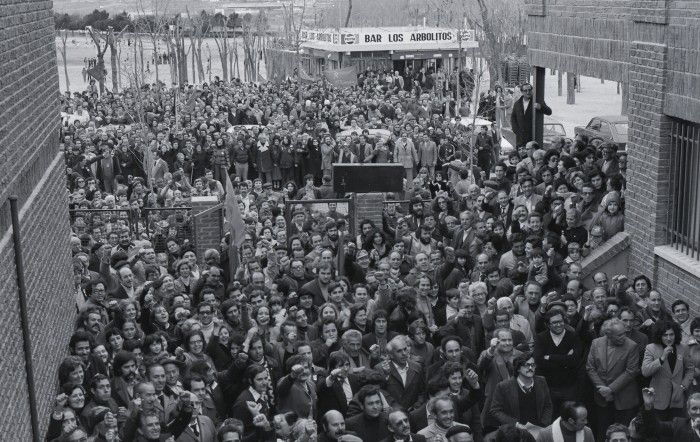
(683,225)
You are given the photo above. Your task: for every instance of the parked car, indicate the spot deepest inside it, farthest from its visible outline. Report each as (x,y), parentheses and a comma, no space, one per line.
(606,128)
(507,142)
(552,131)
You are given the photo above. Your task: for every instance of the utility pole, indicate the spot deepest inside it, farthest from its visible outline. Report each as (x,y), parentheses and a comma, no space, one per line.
(459,73)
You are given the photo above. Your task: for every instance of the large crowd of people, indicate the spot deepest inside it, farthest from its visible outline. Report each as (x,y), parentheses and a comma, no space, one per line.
(462,316)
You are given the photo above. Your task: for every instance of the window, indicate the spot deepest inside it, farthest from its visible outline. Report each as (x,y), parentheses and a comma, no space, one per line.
(683,226)
(605,128)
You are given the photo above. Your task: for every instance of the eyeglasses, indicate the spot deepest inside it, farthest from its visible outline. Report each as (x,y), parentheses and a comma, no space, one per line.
(529,365)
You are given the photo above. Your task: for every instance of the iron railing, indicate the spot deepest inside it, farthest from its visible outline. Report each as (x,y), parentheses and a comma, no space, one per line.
(345,207)
(683,223)
(156,224)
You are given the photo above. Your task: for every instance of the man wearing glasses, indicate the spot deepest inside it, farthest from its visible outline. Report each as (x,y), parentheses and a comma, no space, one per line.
(521,117)
(523,400)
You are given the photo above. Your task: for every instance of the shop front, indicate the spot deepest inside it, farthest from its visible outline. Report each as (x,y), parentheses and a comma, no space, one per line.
(386,48)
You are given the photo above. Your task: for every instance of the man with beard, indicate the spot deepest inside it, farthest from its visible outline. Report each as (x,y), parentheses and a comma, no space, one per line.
(415,214)
(332,236)
(422,241)
(523,400)
(318,288)
(125,378)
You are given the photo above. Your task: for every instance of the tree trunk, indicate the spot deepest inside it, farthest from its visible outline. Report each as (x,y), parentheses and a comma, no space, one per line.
(194,58)
(570,88)
(155,59)
(101,70)
(136,63)
(142,68)
(65,62)
(347,16)
(113,64)
(200,66)
(578,83)
(602,80)
(559,83)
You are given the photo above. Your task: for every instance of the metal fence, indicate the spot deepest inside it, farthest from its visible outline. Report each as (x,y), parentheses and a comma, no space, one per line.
(683,224)
(344,208)
(155,224)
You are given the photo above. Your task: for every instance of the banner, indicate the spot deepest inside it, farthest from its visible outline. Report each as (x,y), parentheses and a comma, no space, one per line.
(342,78)
(236,226)
(96,74)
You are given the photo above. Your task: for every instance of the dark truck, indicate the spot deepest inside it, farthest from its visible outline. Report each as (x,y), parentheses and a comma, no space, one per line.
(606,128)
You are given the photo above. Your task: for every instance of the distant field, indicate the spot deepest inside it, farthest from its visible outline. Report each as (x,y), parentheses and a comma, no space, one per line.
(86,6)
(81,47)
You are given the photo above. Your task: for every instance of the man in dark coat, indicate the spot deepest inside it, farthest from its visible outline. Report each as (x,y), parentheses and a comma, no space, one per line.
(406,379)
(521,117)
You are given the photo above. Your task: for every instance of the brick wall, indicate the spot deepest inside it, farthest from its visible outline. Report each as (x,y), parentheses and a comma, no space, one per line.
(47,266)
(207,223)
(648,174)
(31,168)
(672,279)
(653,45)
(368,206)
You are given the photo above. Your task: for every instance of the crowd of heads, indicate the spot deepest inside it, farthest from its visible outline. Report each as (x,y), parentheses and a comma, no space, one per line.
(460,293)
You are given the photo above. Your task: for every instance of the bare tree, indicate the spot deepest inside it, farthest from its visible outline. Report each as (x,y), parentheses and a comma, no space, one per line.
(219,28)
(178,51)
(153,21)
(64,39)
(570,88)
(295,37)
(113,41)
(101,46)
(253,33)
(200,26)
(348,14)
(559,83)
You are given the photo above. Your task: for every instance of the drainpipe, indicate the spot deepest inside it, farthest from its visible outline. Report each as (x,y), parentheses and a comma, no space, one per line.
(24,319)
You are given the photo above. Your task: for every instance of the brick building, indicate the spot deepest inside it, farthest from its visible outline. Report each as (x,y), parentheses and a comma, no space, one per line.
(32,168)
(652,47)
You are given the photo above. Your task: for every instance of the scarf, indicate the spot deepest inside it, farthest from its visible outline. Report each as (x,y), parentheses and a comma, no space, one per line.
(557,435)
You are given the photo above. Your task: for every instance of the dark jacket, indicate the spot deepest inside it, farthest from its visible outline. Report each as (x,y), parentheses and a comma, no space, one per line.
(505,405)
(560,367)
(521,120)
(413,393)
